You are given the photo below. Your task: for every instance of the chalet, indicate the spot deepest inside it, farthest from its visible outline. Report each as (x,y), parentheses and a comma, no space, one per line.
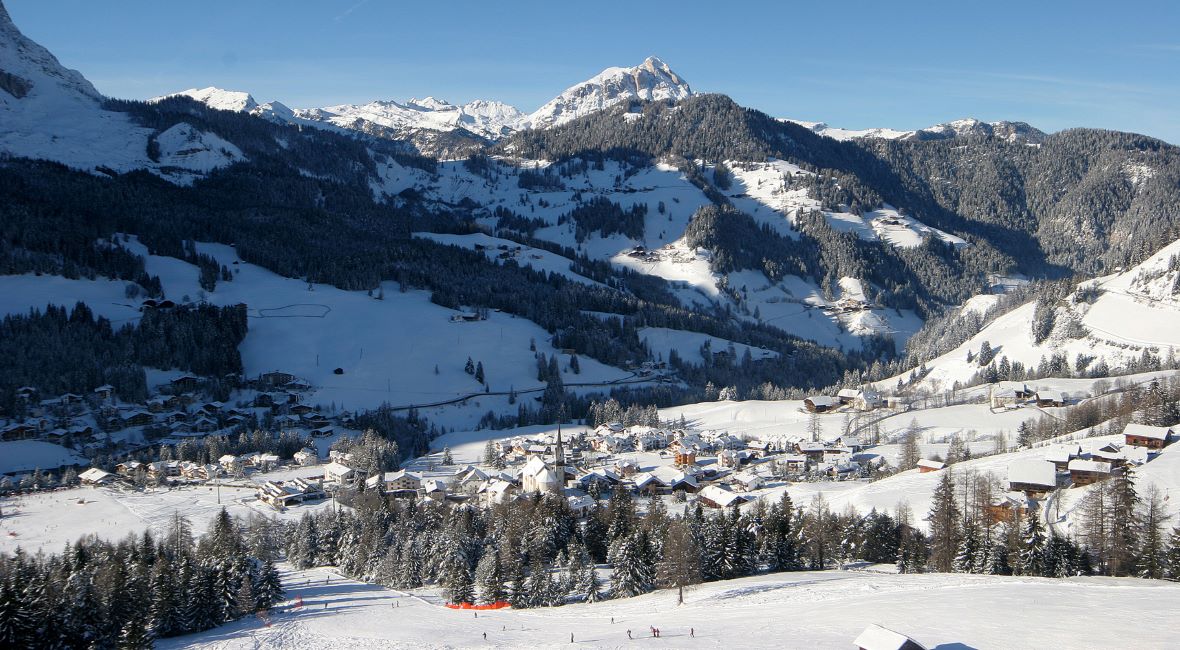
(265,462)
(18,431)
(26,392)
(747,480)
(128,468)
(876,637)
(96,476)
(1006,507)
(674,480)
(793,462)
(286,421)
(847,396)
(1007,393)
(1111,452)
(1032,476)
(230,463)
(820,403)
(1142,435)
(759,448)
(322,432)
(1085,472)
(162,469)
(335,472)
(402,480)
(626,467)
(300,409)
(685,457)
(1050,398)
(926,465)
(715,496)
(283,493)
(731,459)
(466,317)
(204,424)
(137,419)
(498,491)
(276,378)
(605,478)
(314,421)
(814,451)
(867,399)
(200,472)
(104,392)
(305,457)
(70,398)
(645,483)
(184,383)
(1060,455)
(174,416)
(580,504)
(434,489)
(297,384)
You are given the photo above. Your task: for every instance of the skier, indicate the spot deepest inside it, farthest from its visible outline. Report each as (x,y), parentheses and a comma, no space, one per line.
(628,634)
(571,637)
(692,632)
(485,636)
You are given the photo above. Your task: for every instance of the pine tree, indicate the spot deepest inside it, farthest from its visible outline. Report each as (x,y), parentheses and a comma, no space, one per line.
(1153,553)
(967,557)
(592,585)
(136,635)
(1033,558)
(15,622)
(1172,570)
(489,578)
(944,525)
(632,573)
(268,590)
(1124,523)
(489,454)
(447,459)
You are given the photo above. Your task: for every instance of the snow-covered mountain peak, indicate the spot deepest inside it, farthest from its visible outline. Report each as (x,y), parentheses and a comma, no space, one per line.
(430,103)
(962,128)
(218,98)
(28,70)
(651,80)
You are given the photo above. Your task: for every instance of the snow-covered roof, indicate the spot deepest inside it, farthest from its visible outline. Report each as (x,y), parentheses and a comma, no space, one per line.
(932,464)
(850,393)
(95,475)
(1030,471)
(1062,453)
(876,637)
(1147,431)
(719,495)
(1051,395)
(1082,465)
(821,400)
(336,469)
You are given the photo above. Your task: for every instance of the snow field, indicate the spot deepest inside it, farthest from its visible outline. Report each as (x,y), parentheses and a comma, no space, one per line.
(796,610)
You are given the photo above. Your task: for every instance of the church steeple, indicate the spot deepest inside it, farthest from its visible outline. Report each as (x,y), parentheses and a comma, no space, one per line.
(559,452)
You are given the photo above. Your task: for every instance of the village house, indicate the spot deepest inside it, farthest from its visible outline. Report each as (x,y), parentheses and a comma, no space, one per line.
(184,384)
(793,463)
(1142,435)
(137,419)
(281,494)
(335,472)
(1060,455)
(926,465)
(1008,393)
(276,378)
(715,496)
(685,457)
(747,480)
(498,491)
(1085,472)
(96,476)
(580,504)
(401,481)
(1032,476)
(814,451)
(605,478)
(230,463)
(847,396)
(1050,398)
(626,467)
(104,392)
(867,399)
(128,468)
(820,404)
(1007,506)
(434,489)
(305,457)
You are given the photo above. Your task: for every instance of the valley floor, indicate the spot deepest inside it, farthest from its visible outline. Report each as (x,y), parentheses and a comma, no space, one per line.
(787,610)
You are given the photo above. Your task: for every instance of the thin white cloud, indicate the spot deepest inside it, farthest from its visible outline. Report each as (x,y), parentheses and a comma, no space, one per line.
(347,12)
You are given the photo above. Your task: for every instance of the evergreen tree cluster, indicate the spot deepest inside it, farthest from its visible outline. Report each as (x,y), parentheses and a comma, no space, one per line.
(99,594)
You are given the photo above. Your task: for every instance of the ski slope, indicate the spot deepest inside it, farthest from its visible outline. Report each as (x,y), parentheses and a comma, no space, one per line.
(795,610)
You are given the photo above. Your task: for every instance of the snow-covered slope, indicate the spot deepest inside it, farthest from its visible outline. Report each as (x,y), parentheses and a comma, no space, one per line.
(1114,320)
(968,127)
(649,81)
(213,97)
(818,610)
(50,112)
(185,147)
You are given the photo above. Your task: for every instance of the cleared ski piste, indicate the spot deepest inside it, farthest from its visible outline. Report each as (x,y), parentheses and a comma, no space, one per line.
(785,610)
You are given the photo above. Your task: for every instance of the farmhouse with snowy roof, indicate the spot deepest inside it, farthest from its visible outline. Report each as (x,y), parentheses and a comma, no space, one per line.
(1085,472)
(1032,476)
(820,403)
(1142,435)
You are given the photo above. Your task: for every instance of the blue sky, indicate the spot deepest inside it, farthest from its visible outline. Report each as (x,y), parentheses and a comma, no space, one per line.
(851,64)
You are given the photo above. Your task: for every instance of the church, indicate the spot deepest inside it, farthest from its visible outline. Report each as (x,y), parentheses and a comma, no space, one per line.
(537,475)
